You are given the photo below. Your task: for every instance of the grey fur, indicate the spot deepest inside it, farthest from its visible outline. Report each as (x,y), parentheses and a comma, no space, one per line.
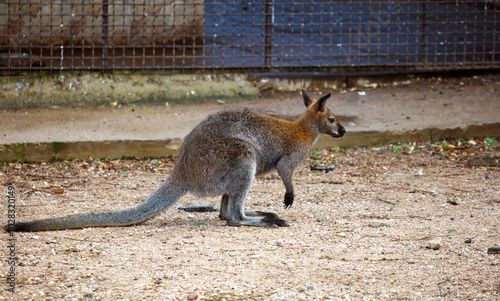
(221,156)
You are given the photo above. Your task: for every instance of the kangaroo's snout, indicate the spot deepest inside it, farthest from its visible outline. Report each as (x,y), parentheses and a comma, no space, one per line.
(341,131)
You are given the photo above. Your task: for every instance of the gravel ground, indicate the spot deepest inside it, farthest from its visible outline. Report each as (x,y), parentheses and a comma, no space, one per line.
(359,232)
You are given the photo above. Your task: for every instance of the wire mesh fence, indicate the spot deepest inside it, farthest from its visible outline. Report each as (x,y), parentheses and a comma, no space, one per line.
(278,35)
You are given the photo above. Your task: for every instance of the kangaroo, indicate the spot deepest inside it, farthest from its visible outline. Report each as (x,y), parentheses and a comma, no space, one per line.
(221,156)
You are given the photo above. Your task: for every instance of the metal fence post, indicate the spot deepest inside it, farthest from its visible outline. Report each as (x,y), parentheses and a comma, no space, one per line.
(105,34)
(268,34)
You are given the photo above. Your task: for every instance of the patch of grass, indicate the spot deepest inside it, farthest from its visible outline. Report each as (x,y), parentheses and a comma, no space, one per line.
(491,142)
(396,148)
(97,162)
(462,141)
(323,157)
(403,147)
(122,173)
(316,154)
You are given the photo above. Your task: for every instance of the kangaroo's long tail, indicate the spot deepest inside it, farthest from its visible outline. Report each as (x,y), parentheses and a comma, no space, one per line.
(160,200)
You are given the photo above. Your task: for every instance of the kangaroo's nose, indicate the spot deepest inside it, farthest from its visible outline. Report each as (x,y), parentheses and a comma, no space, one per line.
(341,131)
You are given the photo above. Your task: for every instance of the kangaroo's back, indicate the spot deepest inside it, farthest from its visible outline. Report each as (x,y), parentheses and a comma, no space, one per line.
(267,137)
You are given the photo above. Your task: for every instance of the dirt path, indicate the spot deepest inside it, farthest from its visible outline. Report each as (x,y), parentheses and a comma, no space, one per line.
(359,232)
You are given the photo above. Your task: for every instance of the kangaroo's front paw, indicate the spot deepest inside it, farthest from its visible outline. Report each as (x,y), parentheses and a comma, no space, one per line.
(289,197)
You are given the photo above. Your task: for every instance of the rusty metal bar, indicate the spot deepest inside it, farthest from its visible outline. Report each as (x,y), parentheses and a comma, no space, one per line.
(105,34)
(268,34)
(425,33)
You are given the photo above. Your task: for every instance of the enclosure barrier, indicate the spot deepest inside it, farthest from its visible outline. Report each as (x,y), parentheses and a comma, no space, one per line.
(262,35)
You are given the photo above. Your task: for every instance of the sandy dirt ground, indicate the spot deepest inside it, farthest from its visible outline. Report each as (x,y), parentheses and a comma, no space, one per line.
(359,232)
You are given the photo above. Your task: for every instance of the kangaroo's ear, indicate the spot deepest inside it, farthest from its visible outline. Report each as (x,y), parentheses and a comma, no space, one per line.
(320,104)
(307,100)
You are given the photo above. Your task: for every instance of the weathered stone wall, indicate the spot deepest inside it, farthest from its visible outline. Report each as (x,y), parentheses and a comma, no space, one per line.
(76,23)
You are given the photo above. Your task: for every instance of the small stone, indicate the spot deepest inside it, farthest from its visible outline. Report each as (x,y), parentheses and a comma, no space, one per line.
(419,172)
(192,296)
(320,219)
(84,290)
(434,244)
(342,234)
(376,223)
(198,206)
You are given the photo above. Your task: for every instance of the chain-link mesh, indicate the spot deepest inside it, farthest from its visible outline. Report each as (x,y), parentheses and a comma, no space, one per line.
(252,35)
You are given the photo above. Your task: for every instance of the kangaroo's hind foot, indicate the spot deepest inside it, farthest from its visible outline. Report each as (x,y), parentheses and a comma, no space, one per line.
(250,217)
(252,221)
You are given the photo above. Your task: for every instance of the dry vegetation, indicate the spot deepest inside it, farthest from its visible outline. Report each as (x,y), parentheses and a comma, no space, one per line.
(359,232)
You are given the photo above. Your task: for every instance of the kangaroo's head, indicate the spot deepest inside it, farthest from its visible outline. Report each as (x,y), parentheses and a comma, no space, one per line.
(327,123)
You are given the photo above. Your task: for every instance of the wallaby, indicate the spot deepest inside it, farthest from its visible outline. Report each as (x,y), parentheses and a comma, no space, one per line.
(221,156)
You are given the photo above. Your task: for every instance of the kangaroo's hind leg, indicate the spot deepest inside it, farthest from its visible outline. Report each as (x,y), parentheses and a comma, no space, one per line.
(223,207)
(237,190)
(223,210)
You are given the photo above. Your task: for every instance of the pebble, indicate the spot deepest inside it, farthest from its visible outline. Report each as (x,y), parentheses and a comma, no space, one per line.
(434,244)
(192,296)
(376,223)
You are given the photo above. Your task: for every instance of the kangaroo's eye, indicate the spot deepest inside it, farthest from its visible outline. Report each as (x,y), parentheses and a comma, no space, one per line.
(332,120)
